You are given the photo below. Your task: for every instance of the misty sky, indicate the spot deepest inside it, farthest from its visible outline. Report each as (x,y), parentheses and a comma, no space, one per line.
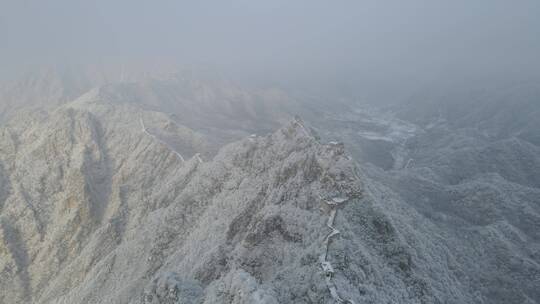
(282,39)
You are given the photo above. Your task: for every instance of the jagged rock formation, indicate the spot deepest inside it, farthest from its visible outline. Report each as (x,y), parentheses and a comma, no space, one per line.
(97,208)
(96,211)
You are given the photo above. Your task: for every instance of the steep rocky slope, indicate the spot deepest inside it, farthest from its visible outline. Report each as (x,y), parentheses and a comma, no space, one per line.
(134,193)
(96,210)
(477,191)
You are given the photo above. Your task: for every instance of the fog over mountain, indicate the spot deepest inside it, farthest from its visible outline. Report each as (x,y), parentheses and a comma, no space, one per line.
(270,152)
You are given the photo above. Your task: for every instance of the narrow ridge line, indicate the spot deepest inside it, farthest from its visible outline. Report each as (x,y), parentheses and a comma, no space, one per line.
(325,264)
(159,140)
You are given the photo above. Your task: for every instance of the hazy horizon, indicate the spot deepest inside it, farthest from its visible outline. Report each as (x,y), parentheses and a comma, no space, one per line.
(352,45)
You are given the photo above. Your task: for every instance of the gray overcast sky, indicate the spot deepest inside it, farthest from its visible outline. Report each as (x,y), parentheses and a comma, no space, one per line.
(371,39)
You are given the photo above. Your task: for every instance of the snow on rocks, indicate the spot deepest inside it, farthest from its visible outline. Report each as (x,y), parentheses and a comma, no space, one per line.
(169,288)
(325,264)
(144,130)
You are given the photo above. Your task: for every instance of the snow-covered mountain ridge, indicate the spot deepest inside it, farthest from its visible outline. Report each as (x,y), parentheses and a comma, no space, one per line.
(141,193)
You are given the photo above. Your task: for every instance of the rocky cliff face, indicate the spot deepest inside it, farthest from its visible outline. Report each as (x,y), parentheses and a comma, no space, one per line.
(129,194)
(97,208)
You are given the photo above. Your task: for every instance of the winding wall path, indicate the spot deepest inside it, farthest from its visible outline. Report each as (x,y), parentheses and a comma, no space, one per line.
(160,141)
(325,264)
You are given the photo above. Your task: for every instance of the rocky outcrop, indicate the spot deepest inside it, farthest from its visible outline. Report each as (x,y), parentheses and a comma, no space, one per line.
(95,210)
(130,194)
